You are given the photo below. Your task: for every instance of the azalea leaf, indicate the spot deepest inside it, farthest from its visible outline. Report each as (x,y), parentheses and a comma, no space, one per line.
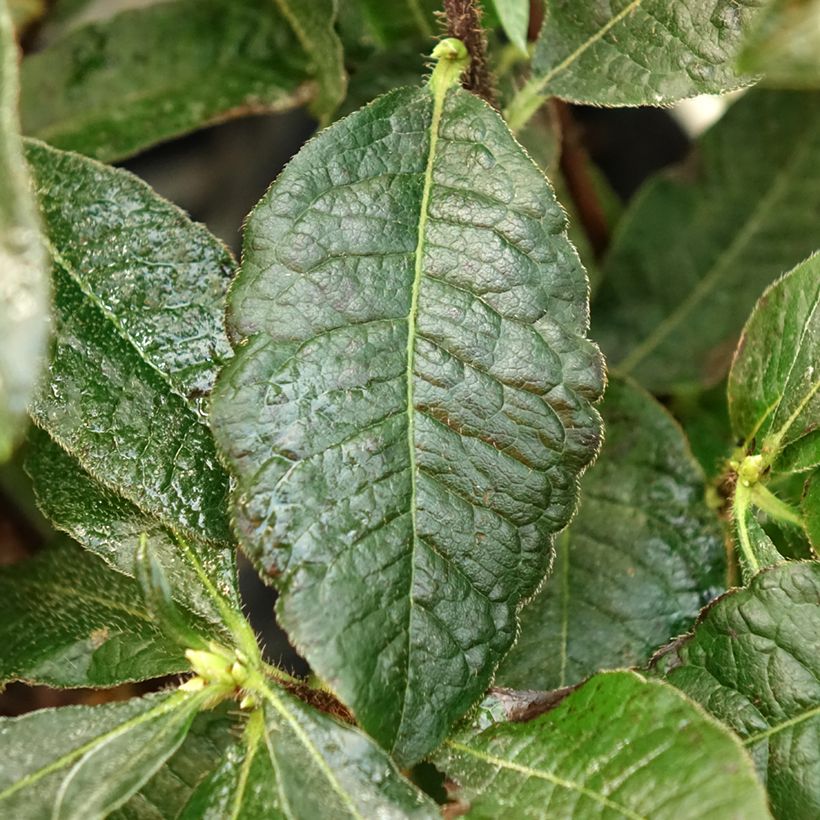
(24,283)
(294,761)
(138,295)
(67,619)
(774,401)
(620,746)
(410,408)
(81,762)
(634,52)
(692,255)
(116,86)
(635,565)
(753,660)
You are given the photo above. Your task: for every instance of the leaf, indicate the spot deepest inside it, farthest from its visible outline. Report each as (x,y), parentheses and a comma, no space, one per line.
(366,26)
(773,386)
(66,619)
(25,12)
(164,796)
(784,44)
(634,52)
(24,286)
(692,255)
(138,335)
(114,87)
(297,762)
(81,762)
(515,19)
(811,510)
(395,265)
(753,660)
(620,746)
(636,564)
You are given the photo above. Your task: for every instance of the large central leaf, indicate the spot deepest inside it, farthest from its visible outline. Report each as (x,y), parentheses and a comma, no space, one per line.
(410,410)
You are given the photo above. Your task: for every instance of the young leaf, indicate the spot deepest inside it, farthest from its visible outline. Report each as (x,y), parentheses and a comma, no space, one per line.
(67,619)
(636,564)
(753,660)
(811,510)
(620,746)
(411,407)
(114,87)
(774,385)
(139,292)
(634,52)
(24,283)
(294,761)
(784,44)
(691,257)
(515,18)
(81,762)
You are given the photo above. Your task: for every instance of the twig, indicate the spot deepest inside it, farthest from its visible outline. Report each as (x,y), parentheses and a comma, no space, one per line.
(463,18)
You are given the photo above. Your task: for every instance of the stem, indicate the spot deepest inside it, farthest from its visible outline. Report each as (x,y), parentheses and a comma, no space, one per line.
(740,508)
(464,23)
(767,501)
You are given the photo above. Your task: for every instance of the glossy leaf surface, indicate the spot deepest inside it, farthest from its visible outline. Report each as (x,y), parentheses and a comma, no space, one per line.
(81,762)
(294,761)
(66,619)
(774,401)
(753,660)
(697,248)
(24,279)
(635,52)
(619,746)
(636,564)
(410,411)
(115,86)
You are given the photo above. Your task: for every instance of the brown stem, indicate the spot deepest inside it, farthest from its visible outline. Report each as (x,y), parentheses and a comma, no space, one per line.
(463,19)
(575,170)
(536,19)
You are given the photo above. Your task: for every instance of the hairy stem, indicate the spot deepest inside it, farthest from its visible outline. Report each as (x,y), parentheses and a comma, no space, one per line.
(463,18)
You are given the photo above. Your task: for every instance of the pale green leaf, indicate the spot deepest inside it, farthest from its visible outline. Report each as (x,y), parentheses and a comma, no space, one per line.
(81,762)
(24,282)
(637,563)
(753,660)
(411,407)
(515,19)
(698,246)
(811,510)
(620,746)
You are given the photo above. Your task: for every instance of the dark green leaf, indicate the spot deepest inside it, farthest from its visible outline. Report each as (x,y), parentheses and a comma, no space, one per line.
(297,762)
(67,619)
(811,510)
(753,660)
(410,411)
(784,44)
(774,401)
(139,293)
(24,283)
(620,746)
(634,52)
(637,563)
(113,87)
(692,255)
(81,762)
(515,18)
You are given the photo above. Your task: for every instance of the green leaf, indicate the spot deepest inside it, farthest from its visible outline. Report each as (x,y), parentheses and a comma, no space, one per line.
(24,284)
(636,564)
(811,510)
(515,19)
(634,52)
(294,761)
(410,410)
(784,44)
(25,12)
(67,619)
(774,401)
(753,660)
(139,294)
(81,762)
(114,87)
(314,25)
(697,247)
(620,746)
(366,26)
(164,796)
